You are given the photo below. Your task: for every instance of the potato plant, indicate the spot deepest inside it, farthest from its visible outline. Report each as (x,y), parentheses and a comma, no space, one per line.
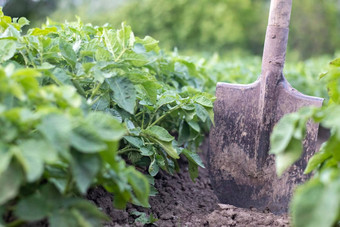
(82,106)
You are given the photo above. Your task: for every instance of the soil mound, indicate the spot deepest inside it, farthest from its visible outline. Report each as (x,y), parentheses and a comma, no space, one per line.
(181,202)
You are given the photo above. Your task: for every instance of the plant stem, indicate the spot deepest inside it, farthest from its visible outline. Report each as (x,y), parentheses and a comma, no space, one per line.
(95,100)
(167,113)
(139,114)
(143,120)
(127,149)
(120,55)
(95,90)
(153,115)
(25,58)
(79,88)
(68,184)
(15,223)
(55,79)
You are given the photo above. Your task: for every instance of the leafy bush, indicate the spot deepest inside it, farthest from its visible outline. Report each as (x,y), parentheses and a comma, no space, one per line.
(74,98)
(203,25)
(220,26)
(317,202)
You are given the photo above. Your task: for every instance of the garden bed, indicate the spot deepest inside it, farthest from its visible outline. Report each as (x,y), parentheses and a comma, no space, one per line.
(181,202)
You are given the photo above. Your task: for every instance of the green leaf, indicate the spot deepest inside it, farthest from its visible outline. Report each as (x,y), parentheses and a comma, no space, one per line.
(45,31)
(282,133)
(125,36)
(194,125)
(153,167)
(35,153)
(167,146)
(317,159)
(109,155)
(146,151)
(335,62)
(106,127)
(193,171)
(102,104)
(189,107)
(201,112)
(333,146)
(32,208)
(135,59)
(8,49)
(86,140)
(143,218)
(165,99)
(2,213)
(5,158)
(135,141)
(82,221)
(159,133)
(151,88)
(331,119)
(84,169)
(124,93)
(111,43)
(149,43)
(23,21)
(204,101)
(291,154)
(10,181)
(189,115)
(315,204)
(57,130)
(134,156)
(102,54)
(211,115)
(63,218)
(184,133)
(161,161)
(87,212)
(193,157)
(119,202)
(67,52)
(45,66)
(61,77)
(140,186)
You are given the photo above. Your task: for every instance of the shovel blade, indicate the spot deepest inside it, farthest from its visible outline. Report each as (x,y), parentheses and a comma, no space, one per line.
(241,170)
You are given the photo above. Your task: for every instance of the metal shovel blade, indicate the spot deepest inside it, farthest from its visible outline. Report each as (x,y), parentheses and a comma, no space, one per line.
(241,170)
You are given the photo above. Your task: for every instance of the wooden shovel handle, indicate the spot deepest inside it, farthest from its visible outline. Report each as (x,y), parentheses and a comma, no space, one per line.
(279,14)
(275,45)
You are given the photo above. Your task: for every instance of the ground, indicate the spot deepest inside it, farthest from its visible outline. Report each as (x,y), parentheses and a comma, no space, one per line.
(181,202)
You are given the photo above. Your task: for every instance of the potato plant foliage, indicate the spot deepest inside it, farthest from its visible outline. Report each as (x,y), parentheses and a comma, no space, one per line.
(83,106)
(317,202)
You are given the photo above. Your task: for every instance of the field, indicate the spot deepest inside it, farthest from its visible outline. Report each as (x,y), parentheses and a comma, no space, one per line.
(96,117)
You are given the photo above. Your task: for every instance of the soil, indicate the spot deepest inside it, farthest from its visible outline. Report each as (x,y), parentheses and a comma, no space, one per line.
(181,202)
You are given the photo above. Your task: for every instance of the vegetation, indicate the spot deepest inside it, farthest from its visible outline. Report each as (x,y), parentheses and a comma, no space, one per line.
(218,25)
(84,105)
(200,26)
(75,99)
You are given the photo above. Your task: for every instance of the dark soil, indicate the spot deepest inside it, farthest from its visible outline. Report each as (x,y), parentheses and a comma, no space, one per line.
(181,202)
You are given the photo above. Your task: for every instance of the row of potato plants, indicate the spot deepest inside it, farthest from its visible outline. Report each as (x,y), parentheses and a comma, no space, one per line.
(316,202)
(84,105)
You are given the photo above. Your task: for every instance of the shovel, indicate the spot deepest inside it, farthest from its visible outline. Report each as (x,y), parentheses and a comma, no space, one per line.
(241,170)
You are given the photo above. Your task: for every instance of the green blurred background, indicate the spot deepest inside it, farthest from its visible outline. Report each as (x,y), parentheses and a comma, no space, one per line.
(200,26)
